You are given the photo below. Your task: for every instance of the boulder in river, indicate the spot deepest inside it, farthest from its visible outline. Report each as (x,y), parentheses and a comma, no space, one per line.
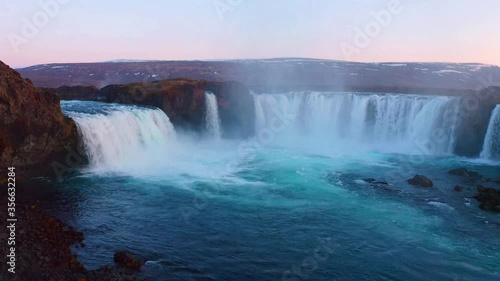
(489,198)
(126,260)
(464,172)
(421,180)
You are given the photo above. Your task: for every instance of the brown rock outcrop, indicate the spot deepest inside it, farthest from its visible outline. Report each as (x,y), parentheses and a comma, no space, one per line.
(183,100)
(86,93)
(33,130)
(421,180)
(126,260)
(489,198)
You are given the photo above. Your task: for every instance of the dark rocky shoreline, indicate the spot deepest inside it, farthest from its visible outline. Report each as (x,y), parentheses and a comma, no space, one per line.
(43,249)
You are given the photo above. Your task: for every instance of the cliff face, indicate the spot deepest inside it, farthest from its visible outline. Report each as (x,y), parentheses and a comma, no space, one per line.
(33,131)
(183,100)
(236,109)
(86,93)
(474,117)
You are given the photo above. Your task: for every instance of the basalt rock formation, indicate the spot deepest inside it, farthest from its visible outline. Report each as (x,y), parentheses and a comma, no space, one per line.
(85,93)
(183,100)
(126,260)
(33,130)
(475,112)
(421,180)
(489,198)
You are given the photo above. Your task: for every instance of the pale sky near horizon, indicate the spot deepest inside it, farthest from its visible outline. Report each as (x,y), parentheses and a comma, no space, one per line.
(98,30)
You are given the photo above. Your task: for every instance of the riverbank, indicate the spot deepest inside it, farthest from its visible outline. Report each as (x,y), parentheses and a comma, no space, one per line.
(43,248)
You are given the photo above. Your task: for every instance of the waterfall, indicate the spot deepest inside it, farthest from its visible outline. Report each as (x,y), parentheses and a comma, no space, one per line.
(212,119)
(113,134)
(491,146)
(414,124)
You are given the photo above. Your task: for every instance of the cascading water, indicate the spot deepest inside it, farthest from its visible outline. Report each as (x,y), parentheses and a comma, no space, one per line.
(491,147)
(413,124)
(212,119)
(143,179)
(114,133)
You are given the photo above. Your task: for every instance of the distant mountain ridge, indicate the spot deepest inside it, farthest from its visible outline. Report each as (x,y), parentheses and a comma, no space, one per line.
(276,74)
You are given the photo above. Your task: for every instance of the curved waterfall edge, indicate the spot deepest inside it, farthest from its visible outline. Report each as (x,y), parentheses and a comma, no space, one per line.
(116,133)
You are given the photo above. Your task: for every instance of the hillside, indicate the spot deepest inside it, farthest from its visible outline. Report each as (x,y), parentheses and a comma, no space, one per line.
(274,74)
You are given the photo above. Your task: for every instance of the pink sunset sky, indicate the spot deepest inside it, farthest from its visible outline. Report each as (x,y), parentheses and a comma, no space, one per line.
(49,31)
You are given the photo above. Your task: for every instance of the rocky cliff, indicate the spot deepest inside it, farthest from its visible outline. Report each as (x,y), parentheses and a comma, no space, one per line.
(85,93)
(474,117)
(183,100)
(33,131)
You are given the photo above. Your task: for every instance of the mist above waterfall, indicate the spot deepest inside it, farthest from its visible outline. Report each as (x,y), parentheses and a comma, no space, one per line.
(142,142)
(116,136)
(352,122)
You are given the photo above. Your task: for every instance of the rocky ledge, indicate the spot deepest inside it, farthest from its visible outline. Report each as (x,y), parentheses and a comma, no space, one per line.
(183,100)
(85,93)
(33,130)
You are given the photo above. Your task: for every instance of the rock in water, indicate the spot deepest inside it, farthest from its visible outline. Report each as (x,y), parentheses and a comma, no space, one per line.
(421,180)
(458,172)
(458,188)
(34,133)
(489,198)
(126,260)
(464,172)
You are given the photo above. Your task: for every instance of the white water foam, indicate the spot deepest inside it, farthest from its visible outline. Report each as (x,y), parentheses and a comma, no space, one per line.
(212,119)
(412,124)
(491,146)
(114,133)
